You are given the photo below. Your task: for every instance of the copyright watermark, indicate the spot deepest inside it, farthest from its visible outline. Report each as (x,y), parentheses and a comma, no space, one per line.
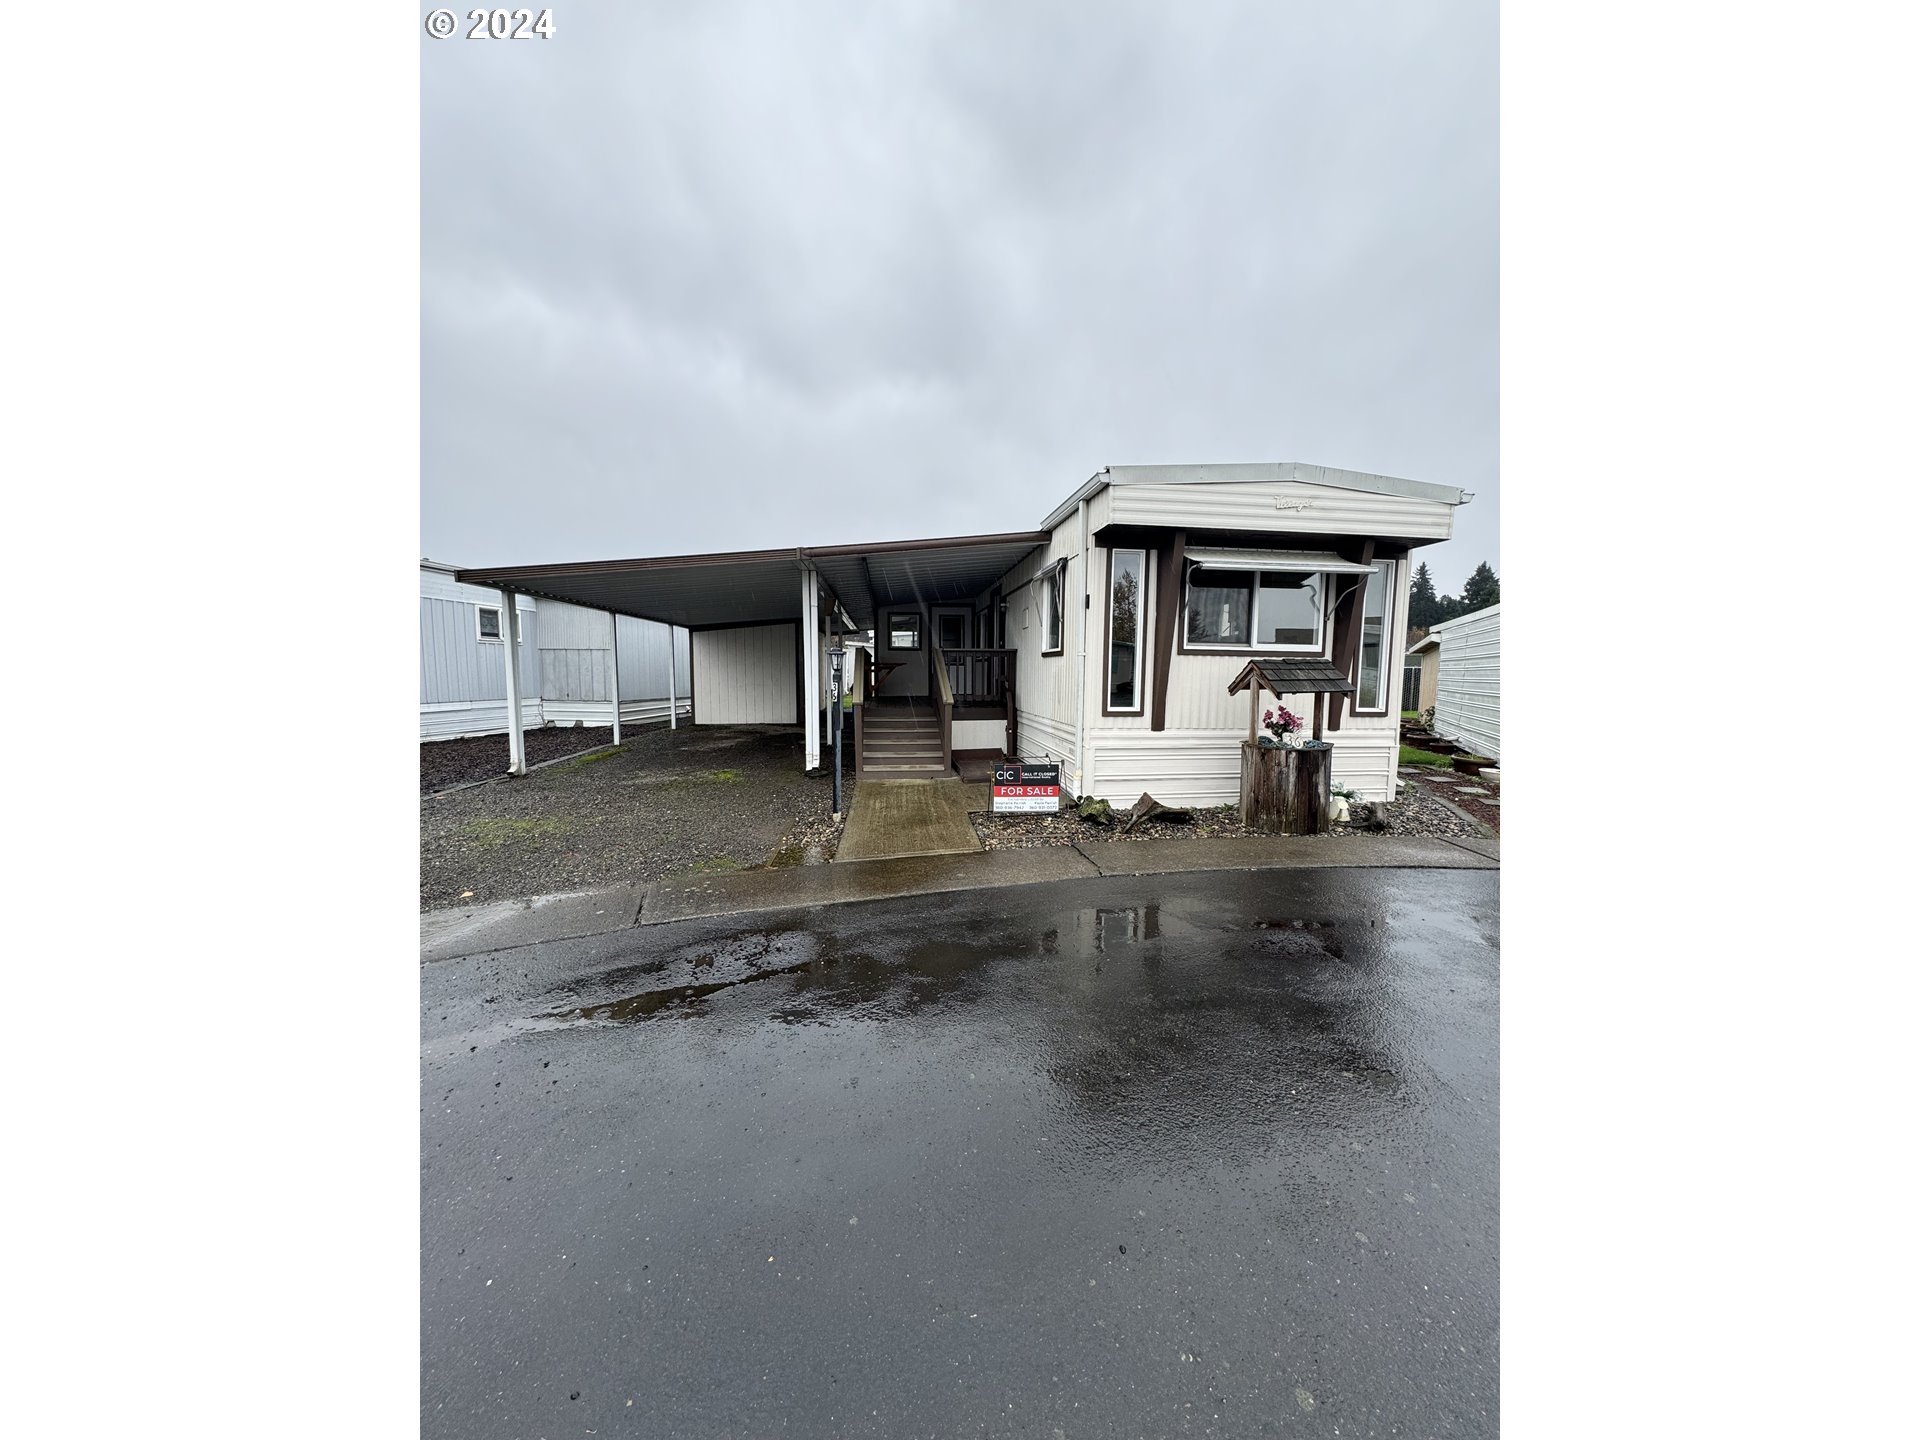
(492,24)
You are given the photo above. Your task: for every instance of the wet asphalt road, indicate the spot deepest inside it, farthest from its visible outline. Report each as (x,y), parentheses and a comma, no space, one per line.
(1209,1154)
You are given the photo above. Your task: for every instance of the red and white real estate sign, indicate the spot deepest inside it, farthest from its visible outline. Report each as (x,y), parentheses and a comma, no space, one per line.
(1025,786)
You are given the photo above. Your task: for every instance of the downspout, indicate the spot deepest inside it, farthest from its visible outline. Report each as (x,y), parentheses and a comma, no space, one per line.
(1081,768)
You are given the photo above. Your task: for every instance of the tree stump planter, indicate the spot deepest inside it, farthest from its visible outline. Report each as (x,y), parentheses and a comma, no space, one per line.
(1471,764)
(1285,792)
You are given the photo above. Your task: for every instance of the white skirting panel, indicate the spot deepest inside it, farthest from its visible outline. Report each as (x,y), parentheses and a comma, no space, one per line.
(599,712)
(1202,768)
(454,720)
(980,735)
(1044,739)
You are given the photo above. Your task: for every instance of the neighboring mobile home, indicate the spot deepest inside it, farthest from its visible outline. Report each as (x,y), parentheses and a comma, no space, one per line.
(1105,639)
(1466,706)
(566,662)
(1423,674)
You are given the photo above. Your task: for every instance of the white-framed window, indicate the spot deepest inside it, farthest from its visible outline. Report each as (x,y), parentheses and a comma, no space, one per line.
(1126,623)
(1234,608)
(1376,609)
(487,621)
(1053,630)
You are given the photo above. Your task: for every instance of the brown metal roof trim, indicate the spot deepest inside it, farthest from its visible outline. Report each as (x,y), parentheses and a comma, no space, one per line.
(951,542)
(504,575)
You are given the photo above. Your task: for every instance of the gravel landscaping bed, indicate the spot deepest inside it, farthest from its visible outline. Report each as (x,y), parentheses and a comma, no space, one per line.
(1413,814)
(445,763)
(1474,805)
(710,799)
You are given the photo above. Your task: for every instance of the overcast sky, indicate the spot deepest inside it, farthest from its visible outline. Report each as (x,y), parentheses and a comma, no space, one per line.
(712,276)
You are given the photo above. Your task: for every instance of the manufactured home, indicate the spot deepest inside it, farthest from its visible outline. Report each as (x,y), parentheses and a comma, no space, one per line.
(568,667)
(1422,687)
(1105,638)
(1465,661)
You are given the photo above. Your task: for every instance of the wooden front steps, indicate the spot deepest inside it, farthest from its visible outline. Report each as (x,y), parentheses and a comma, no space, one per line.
(901,745)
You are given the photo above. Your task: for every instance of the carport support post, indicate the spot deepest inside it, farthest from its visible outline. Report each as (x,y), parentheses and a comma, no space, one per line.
(673,679)
(614,653)
(510,628)
(810,670)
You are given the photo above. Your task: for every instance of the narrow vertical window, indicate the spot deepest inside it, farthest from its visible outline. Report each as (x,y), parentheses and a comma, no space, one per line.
(1375,603)
(1126,596)
(1052,634)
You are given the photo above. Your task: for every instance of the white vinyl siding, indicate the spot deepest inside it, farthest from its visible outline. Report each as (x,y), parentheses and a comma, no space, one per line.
(1047,696)
(1278,506)
(746,676)
(1467,698)
(457,667)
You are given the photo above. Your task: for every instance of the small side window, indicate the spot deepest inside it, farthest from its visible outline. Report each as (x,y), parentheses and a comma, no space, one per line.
(903,630)
(489,622)
(1053,613)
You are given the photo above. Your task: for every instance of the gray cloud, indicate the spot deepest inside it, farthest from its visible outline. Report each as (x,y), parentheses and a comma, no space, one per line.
(720,276)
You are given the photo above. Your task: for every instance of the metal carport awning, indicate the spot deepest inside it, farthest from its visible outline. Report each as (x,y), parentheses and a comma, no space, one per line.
(748,586)
(809,586)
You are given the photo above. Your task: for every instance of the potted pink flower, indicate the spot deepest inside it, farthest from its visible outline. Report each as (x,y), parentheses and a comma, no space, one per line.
(1280,722)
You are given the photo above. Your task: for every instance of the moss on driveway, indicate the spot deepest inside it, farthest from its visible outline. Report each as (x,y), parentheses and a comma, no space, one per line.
(691,800)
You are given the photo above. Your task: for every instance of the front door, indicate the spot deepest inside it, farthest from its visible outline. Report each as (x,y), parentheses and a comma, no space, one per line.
(950,625)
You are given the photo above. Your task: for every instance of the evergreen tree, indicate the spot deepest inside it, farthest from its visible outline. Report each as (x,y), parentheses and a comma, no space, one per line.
(1482,589)
(1423,606)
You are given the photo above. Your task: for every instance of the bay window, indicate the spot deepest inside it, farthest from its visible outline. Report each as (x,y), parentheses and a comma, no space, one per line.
(1255,609)
(1376,605)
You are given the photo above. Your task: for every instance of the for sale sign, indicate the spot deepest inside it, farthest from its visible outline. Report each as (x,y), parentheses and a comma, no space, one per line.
(1026,786)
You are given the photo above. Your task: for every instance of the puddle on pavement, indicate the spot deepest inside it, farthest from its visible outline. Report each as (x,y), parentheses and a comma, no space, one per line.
(651,1002)
(825,977)
(1125,927)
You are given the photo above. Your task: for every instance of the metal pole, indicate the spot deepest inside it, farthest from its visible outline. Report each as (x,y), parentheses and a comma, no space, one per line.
(836,658)
(614,620)
(810,668)
(510,626)
(673,679)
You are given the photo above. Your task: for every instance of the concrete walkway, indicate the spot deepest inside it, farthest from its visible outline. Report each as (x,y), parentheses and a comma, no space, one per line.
(896,819)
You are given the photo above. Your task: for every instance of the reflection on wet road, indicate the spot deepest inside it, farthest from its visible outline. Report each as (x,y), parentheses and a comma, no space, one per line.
(1208,1154)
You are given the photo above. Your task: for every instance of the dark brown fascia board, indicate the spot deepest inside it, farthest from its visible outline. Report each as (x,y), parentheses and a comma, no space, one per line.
(499,576)
(949,542)
(505,575)
(608,609)
(1150,537)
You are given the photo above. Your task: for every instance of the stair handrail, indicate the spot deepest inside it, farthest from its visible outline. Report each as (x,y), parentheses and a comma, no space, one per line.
(859,693)
(943,696)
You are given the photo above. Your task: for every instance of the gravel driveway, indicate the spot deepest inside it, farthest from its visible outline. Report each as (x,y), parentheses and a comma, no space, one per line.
(667,801)
(447,763)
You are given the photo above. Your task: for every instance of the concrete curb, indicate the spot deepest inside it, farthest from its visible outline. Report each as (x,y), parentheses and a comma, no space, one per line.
(508,924)
(844,882)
